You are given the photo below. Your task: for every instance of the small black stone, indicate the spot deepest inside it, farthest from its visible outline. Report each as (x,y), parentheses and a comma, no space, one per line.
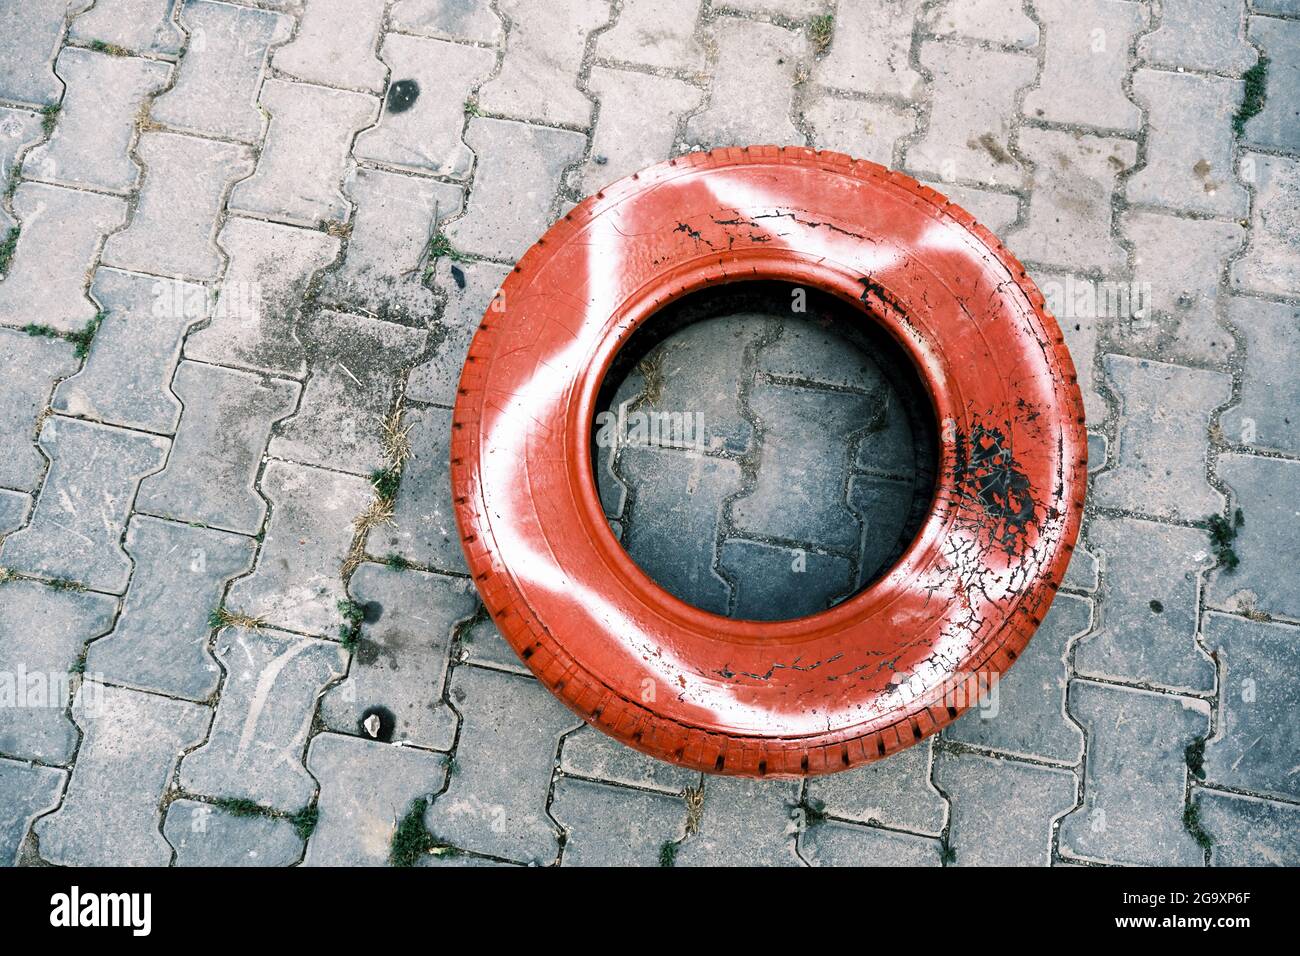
(402,95)
(1157,607)
(459,276)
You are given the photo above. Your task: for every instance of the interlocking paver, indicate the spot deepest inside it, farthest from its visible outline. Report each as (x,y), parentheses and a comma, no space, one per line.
(544,48)
(1084,313)
(1160,466)
(865,129)
(1248,831)
(81,513)
(871,47)
(260,302)
(1270,264)
(141,26)
(615,826)
(518,173)
(339,420)
(894,793)
(448,19)
(29,367)
(26,791)
(335,45)
(14,508)
(809,581)
(301,168)
(1148,630)
(19,129)
(847,844)
(1024,713)
(131,742)
(469,288)
(254,751)
(382,271)
(1189,143)
(482,643)
(1275,126)
(90,144)
(1270,391)
(366,787)
(207,835)
(174,229)
(752,95)
(507,722)
(1199,35)
(637,124)
(217,80)
(655,33)
(126,379)
(1136,772)
(36,664)
(30,34)
(1265,491)
(744,823)
(296,584)
(969,132)
(1085,63)
(212,468)
(589,753)
(160,641)
(400,663)
(62,230)
(998,21)
(1002,810)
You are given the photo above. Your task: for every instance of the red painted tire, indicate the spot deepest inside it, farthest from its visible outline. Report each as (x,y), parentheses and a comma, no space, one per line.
(890,665)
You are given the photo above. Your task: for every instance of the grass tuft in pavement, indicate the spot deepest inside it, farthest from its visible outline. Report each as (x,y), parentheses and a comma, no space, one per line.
(412,839)
(1252,100)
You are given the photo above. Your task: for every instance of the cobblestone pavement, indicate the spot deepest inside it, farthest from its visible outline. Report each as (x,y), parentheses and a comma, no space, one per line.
(246,245)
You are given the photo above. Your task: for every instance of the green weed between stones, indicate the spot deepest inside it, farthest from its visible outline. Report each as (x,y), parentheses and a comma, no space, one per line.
(112,49)
(386,481)
(1192,823)
(398,563)
(303,821)
(412,839)
(7,249)
(1222,534)
(668,853)
(50,116)
(1252,100)
(947,855)
(820,31)
(1195,757)
(350,630)
(80,340)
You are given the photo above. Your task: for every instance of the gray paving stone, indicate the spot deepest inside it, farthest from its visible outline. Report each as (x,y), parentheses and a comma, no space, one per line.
(36,661)
(263,718)
(995,210)
(972,95)
(1068,220)
(1189,144)
(296,584)
(160,640)
(1270,264)
(1270,392)
(847,844)
(589,753)
(1149,622)
(1085,309)
(19,128)
(1199,35)
(776,582)
(349,392)
(335,45)
(1248,831)
(1024,713)
(90,144)
(496,801)
(894,793)
(259,304)
(1132,810)
(1002,810)
(206,835)
(1160,466)
(482,643)
(997,21)
(1085,63)
(212,468)
(125,381)
(62,230)
(1256,742)
(218,78)
(637,125)
(366,787)
(400,663)
(518,173)
(1276,125)
(1280,7)
(423,135)
(544,48)
(141,26)
(30,36)
(790,9)
(655,33)
(174,229)
(1081,574)
(812,351)
(29,367)
(26,791)
(614,826)
(745,823)
(447,19)
(870,49)
(306,153)
(469,288)
(751,100)
(1178,262)
(681,497)
(14,508)
(864,129)
(1265,489)
(881,507)
(383,269)
(131,742)
(80,515)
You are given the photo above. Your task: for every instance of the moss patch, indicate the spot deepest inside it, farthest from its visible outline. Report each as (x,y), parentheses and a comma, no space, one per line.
(1252,100)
